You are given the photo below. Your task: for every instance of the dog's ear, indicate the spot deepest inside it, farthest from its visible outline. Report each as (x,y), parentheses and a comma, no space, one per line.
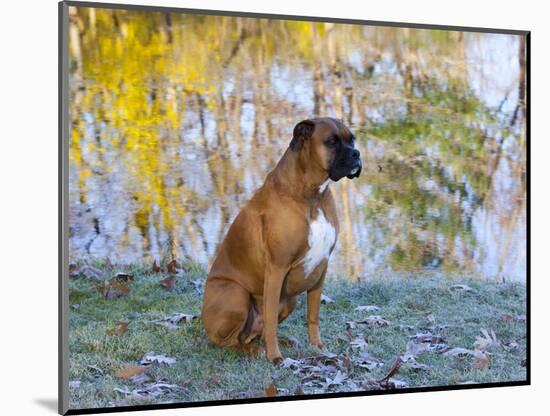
(302,131)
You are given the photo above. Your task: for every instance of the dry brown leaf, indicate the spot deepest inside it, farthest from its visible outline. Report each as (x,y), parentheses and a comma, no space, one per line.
(155,268)
(118,290)
(487,341)
(393,369)
(129,372)
(121,328)
(482,360)
(168,283)
(124,276)
(111,289)
(271,391)
(173,267)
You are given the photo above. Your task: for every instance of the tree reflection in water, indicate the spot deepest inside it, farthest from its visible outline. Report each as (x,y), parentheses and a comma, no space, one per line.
(176,119)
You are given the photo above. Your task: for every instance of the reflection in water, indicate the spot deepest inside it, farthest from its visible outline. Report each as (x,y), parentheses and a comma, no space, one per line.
(176,119)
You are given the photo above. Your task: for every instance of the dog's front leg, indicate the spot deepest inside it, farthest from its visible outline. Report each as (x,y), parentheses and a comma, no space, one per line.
(313,306)
(272,293)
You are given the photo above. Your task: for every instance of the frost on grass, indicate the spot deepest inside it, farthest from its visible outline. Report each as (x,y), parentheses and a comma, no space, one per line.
(136,338)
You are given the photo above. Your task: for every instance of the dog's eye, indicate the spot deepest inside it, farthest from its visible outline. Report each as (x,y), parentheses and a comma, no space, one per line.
(331,141)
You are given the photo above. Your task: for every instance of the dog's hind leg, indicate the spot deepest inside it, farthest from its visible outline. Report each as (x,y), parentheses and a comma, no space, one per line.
(225,311)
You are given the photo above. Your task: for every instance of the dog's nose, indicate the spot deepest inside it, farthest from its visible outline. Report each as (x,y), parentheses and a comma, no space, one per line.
(355,154)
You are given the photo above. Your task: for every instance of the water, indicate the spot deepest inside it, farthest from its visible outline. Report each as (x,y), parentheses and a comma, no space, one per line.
(177,119)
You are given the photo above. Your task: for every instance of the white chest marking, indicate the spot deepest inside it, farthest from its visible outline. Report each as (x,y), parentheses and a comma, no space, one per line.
(323,186)
(322,236)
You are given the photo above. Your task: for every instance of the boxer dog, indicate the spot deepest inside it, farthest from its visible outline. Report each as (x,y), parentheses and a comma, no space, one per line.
(279,244)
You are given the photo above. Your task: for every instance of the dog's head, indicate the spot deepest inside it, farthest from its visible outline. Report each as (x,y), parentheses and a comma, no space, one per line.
(328,143)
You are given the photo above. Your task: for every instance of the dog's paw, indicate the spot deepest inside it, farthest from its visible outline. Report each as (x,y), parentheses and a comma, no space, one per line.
(277,360)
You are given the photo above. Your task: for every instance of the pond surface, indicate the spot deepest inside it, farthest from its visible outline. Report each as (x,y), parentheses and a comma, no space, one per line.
(176,120)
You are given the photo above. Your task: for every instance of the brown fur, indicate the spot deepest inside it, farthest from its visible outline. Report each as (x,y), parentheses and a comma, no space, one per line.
(256,275)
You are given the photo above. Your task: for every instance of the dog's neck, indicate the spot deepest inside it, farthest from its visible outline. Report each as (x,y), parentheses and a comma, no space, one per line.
(297,176)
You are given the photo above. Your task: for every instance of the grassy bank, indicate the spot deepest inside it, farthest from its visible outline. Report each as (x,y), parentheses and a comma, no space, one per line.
(421,319)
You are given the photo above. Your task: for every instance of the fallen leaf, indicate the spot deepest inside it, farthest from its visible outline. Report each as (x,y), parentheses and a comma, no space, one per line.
(111,289)
(95,369)
(347,362)
(155,268)
(124,276)
(326,300)
(366,360)
(487,342)
(129,372)
(336,380)
(290,363)
(152,358)
(367,308)
(168,283)
(172,321)
(410,361)
(393,369)
(482,360)
(351,324)
(359,342)
(271,391)
(173,267)
(459,352)
(427,337)
(147,392)
(140,378)
(394,383)
(374,320)
(461,288)
(121,328)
